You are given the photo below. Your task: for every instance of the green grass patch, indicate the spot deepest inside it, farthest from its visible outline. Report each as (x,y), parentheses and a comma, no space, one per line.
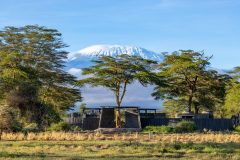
(116,150)
(180,127)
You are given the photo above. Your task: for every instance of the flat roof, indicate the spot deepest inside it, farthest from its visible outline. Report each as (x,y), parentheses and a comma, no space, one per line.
(123,107)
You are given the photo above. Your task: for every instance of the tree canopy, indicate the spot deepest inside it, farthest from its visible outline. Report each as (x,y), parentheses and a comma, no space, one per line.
(232,99)
(115,73)
(33,79)
(34,87)
(189,81)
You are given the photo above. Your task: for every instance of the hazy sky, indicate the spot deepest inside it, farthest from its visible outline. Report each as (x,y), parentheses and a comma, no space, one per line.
(158,25)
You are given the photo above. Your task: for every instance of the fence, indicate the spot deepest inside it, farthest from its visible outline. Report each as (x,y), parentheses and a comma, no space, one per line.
(86,123)
(207,123)
(92,123)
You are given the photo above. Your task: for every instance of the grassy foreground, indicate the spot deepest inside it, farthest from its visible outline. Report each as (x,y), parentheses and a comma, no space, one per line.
(115,149)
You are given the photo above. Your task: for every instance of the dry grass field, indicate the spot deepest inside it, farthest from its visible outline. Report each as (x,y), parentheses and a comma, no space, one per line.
(60,145)
(91,136)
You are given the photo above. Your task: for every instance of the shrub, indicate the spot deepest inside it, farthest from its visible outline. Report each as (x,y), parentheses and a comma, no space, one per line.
(16,126)
(237,128)
(61,126)
(158,129)
(8,120)
(75,128)
(31,127)
(184,127)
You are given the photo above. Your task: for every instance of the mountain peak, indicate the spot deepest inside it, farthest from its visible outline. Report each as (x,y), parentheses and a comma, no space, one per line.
(115,50)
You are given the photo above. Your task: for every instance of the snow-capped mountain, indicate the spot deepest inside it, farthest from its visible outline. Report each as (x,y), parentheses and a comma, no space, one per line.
(114,50)
(101,96)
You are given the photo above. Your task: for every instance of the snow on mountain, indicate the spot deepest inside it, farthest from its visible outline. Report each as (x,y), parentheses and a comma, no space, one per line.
(101,96)
(114,50)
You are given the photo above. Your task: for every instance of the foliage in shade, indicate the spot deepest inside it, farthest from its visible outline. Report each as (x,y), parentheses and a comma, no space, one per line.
(184,127)
(6,118)
(157,129)
(180,127)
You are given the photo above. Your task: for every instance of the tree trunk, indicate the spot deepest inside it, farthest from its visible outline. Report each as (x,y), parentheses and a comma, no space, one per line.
(117,110)
(119,101)
(193,90)
(118,114)
(196,110)
(190,103)
(118,117)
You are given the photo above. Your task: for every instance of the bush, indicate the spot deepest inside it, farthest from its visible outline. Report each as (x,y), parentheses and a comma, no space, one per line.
(184,127)
(8,120)
(31,127)
(158,129)
(16,126)
(237,128)
(180,127)
(75,128)
(61,126)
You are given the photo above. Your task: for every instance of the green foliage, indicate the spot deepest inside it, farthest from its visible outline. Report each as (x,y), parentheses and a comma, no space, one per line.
(172,107)
(232,100)
(180,127)
(115,73)
(158,129)
(188,82)
(32,77)
(75,128)
(32,127)
(237,128)
(82,107)
(184,127)
(6,118)
(116,150)
(235,73)
(16,126)
(8,121)
(61,126)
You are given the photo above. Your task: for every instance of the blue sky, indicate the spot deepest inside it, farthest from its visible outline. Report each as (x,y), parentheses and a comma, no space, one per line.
(158,25)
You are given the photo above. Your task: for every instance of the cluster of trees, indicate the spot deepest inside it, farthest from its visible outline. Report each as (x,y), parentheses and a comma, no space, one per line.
(184,81)
(34,88)
(190,83)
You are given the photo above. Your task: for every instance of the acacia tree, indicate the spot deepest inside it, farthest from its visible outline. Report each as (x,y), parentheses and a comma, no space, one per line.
(32,76)
(232,99)
(211,93)
(115,73)
(188,82)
